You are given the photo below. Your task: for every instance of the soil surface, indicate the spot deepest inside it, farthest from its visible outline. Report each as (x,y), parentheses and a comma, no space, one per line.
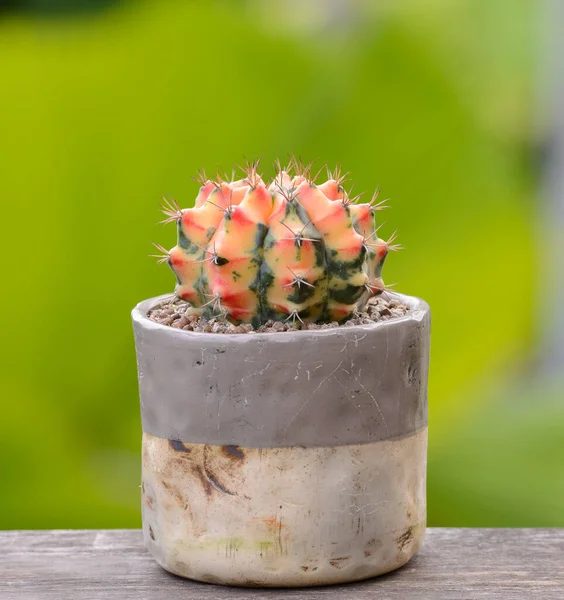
(173,313)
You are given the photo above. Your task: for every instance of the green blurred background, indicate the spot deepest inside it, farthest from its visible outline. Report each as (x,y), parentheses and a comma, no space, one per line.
(104,106)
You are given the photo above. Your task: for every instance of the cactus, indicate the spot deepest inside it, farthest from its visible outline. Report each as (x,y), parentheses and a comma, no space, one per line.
(290,250)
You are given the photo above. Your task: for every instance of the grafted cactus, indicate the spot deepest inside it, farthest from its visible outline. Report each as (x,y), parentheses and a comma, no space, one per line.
(290,250)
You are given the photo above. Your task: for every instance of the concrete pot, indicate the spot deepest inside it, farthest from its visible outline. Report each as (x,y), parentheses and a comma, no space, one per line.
(284,459)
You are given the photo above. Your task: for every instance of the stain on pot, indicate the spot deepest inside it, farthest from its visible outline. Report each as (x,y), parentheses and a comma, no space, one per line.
(179,446)
(175,494)
(213,465)
(340,562)
(216,468)
(305,568)
(374,544)
(413,373)
(273,524)
(206,484)
(180,567)
(405,538)
(148,495)
(234,452)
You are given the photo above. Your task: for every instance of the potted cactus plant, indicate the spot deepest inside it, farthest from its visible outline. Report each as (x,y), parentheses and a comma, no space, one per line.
(283,390)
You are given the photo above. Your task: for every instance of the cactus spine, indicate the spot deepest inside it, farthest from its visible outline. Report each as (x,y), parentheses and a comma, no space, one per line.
(290,250)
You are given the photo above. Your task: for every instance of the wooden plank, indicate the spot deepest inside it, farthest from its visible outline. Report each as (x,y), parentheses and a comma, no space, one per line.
(455,564)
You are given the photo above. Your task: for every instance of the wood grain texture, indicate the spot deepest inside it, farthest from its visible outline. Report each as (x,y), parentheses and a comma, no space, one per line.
(455,564)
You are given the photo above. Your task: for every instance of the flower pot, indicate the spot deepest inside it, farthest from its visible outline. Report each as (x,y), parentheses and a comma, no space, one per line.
(284,459)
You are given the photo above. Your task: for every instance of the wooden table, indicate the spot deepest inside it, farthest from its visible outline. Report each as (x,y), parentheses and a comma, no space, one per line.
(469,564)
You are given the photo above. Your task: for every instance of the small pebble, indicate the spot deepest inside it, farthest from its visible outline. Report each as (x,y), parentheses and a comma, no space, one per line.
(182,322)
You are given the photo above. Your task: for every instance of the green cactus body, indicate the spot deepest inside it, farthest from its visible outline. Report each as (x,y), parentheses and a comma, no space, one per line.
(292,250)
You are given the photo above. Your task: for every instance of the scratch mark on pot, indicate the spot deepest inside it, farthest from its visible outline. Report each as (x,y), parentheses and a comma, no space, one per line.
(259,372)
(371,395)
(218,487)
(219,413)
(354,341)
(363,509)
(274,527)
(308,399)
(151,533)
(387,349)
(348,397)
(214,367)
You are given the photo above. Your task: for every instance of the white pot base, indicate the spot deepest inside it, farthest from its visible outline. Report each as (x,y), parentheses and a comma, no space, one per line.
(283,517)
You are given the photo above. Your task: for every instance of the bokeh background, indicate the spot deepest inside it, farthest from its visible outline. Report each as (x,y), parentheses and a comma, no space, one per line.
(451,107)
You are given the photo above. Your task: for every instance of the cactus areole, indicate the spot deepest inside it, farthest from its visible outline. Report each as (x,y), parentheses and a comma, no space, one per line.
(270,458)
(254,252)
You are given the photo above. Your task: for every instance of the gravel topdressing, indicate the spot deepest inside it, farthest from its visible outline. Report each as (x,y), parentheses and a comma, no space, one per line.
(173,314)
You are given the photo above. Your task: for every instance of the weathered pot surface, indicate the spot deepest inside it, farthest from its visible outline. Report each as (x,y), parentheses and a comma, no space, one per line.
(284,459)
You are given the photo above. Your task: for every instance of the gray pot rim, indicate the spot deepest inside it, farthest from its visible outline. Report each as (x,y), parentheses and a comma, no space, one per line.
(418,311)
(282,389)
